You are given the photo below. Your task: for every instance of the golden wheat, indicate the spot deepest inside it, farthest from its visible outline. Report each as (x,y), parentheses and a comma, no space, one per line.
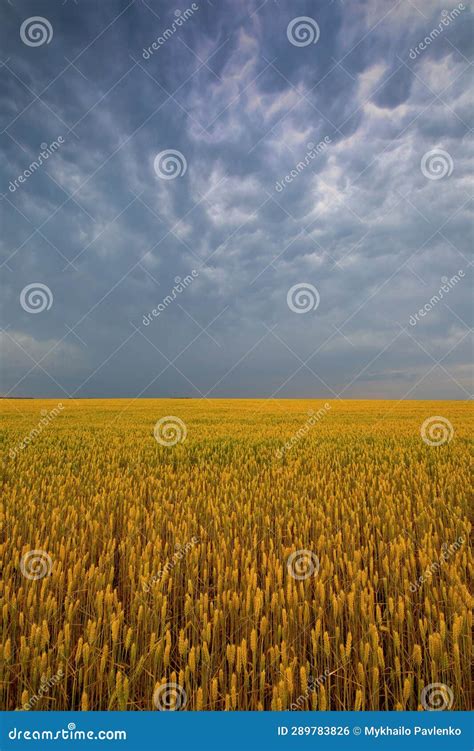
(169,564)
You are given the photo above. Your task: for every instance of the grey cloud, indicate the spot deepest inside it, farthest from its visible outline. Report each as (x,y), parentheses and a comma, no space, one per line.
(360,221)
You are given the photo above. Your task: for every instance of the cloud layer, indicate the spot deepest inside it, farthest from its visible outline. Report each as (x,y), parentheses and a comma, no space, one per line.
(342,163)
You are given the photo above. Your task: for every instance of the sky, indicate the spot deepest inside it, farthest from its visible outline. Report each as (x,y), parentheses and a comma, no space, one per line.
(243,198)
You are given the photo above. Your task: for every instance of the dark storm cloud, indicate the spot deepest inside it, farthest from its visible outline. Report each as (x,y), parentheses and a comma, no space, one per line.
(303,165)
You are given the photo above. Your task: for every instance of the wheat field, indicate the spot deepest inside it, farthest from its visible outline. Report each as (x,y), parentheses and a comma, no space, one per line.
(237,555)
